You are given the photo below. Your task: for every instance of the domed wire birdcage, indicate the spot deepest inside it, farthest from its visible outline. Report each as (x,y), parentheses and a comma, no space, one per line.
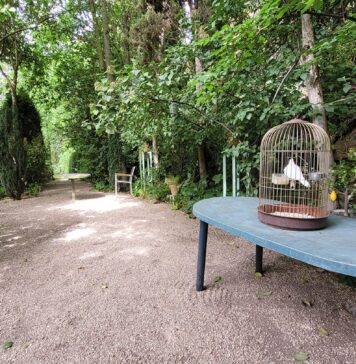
(294,171)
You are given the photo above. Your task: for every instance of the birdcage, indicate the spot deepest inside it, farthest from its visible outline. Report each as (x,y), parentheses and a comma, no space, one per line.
(294,169)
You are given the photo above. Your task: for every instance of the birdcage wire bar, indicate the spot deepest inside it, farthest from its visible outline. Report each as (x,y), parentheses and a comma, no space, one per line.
(294,171)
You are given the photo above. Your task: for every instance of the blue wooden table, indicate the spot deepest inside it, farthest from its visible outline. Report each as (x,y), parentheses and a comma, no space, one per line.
(333,248)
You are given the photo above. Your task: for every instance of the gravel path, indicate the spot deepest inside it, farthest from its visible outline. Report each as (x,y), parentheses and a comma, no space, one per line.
(108,280)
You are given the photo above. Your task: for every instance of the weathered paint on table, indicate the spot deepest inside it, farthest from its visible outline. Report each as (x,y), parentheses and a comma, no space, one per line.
(71,177)
(332,248)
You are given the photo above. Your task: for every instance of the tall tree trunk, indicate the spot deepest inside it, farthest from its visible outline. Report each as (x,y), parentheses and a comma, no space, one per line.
(107,48)
(312,83)
(125,39)
(202,161)
(114,156)
(201,150)
(191,12)
(99,48)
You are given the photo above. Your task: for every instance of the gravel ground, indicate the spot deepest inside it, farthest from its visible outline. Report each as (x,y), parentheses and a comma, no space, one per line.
(106,280)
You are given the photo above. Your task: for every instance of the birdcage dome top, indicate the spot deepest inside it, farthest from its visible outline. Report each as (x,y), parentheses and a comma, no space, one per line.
(292,121)
(308,135)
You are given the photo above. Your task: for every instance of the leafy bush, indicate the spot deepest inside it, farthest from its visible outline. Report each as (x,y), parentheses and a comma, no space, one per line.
(102,186)
(2,192)
(12,152)
(344,177)
(34,189)
(24,159)
(154,190)
(38,163)
(172,179)
(191,192)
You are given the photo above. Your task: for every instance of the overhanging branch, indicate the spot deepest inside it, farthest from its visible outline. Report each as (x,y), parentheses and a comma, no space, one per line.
(328,15)
(27,27)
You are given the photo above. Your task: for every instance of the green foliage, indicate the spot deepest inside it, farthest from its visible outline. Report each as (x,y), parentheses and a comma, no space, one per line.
(29,118)
(102,186)
(33,189)
(2,192)
(12,151)
(188,193)
(157,190)
(191,192)
(248,161)
(24,157)
(38,163)
(344,177)
(344,172)
(252,79)
(38,169)
(172,179)
(115,162)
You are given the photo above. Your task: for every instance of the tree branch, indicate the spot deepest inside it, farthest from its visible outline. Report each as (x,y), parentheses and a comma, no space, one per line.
(340,100)
(193,107)
(178,102)
(27,27)
(338,16)
(283,79)
(6,76)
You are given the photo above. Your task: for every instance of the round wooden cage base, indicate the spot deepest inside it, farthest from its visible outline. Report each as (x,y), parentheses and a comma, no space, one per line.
(316,222)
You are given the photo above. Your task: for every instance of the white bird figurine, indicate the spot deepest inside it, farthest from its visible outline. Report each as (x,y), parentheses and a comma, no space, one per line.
(295,174)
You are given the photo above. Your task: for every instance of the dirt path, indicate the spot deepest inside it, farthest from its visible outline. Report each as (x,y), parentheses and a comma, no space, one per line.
(110,280)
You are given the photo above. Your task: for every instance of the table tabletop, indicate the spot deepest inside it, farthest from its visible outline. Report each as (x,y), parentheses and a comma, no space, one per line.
(71,176)
(332,248)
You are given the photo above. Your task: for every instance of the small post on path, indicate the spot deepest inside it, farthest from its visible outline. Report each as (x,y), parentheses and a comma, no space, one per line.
(235,179)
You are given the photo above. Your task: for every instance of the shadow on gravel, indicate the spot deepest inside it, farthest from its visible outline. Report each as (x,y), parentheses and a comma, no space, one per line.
(89,196)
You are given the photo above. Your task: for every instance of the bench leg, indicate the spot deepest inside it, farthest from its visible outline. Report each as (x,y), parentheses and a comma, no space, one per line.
(73,189)
(203,237)
(259,258)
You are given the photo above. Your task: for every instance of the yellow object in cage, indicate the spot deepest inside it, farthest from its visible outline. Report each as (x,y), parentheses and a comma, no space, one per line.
(333,196)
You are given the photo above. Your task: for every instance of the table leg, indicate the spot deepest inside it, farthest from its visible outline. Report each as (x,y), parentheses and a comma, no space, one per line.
(259,258)
(203,237)
(73,190)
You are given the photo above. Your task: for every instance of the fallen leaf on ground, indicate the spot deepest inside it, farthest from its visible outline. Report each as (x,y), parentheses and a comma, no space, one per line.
(81,268)
(301,356)
(307,302)
(217,279)
(258,274)
(105,285)
(7,345)
(323,332)
(261,294)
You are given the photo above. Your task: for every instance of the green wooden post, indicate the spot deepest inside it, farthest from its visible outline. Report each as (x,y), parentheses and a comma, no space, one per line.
(233,176)
(140,163)
(237,180)
(143,170)
(224,176)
